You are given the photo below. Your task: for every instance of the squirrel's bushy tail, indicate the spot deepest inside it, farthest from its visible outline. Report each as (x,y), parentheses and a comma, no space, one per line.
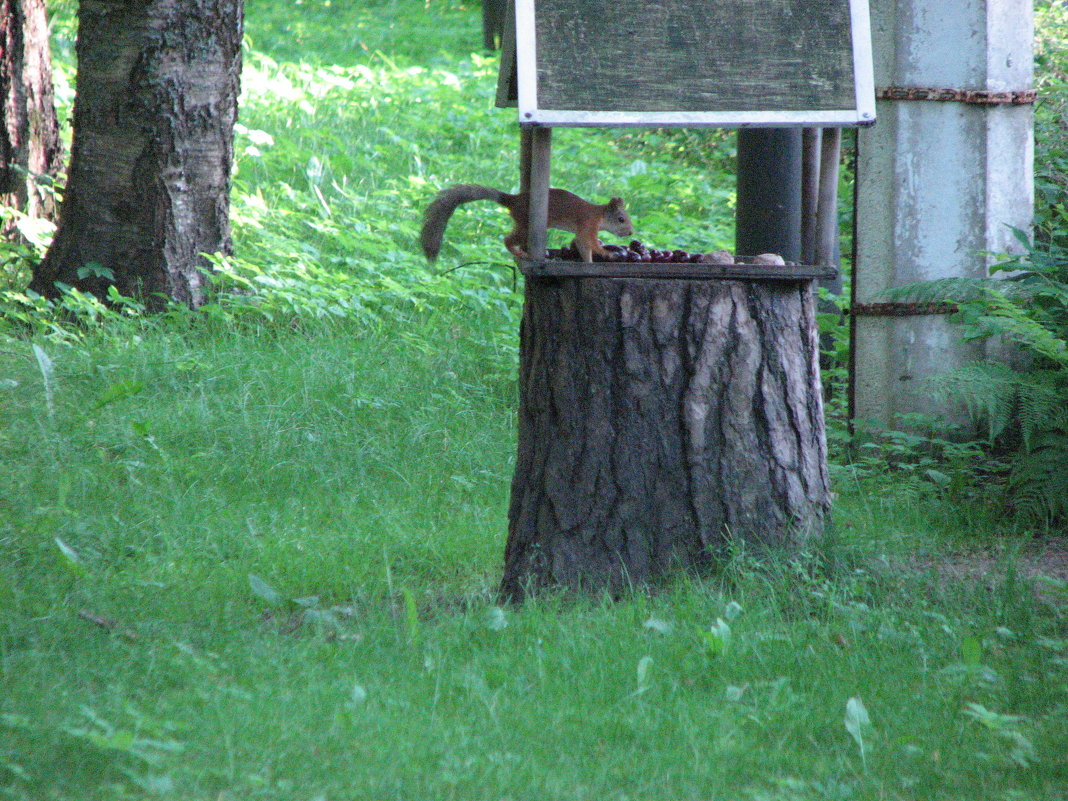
(441,208)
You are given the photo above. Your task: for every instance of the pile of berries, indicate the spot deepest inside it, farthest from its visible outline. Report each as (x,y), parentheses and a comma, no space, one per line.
(637,252)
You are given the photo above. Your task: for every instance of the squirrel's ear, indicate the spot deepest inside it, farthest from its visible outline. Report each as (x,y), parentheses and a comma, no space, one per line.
(616,202)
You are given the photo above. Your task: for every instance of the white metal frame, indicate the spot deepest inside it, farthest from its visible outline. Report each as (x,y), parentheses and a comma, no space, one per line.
(863,81)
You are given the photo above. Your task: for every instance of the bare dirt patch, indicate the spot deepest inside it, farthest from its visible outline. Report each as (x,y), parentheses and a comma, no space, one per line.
(1043,561)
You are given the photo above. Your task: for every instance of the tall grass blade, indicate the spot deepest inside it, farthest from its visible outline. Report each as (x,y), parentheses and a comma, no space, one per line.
(47,375)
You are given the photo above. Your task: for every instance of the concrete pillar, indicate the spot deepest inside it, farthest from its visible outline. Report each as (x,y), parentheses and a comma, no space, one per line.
(938,184)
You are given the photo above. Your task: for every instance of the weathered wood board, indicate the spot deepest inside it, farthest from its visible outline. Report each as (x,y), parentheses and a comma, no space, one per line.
(691,62)
(666,270)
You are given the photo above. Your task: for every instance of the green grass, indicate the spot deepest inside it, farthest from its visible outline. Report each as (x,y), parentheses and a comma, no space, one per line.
(409,682)
(251,553)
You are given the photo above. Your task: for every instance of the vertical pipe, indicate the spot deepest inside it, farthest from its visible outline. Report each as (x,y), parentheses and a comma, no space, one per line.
(526,140)
(540,152)
(768,213)
(826,240)
(851,385)
(810,187)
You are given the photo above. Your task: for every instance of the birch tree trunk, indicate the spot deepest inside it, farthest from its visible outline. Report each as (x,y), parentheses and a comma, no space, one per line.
(658,422)
(149,181)
(30,151)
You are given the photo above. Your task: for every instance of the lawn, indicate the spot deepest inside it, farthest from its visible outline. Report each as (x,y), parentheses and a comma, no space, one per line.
(252,552)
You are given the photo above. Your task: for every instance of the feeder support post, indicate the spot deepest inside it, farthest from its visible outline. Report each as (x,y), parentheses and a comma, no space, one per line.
(768,213)
(540,153)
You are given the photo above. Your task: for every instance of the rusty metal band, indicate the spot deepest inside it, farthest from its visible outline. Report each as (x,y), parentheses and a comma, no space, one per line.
(979,97)
(900,309)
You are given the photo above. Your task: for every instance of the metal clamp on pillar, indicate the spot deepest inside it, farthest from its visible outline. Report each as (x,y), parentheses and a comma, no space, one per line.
(977,97)
(899,309)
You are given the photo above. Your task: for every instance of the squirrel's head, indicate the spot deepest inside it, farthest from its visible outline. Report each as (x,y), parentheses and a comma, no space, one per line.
(617,221)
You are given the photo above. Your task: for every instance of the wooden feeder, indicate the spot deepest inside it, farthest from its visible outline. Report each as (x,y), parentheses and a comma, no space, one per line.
(674,408)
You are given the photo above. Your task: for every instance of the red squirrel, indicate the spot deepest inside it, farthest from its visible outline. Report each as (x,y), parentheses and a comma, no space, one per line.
(567,212)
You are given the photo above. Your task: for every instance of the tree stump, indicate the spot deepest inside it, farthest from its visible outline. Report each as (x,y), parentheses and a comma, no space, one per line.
(660,420)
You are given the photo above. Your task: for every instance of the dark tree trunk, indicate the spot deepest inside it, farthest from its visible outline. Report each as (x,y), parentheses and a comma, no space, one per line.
(149,182)
(493,13)
(30,151)
(659,421)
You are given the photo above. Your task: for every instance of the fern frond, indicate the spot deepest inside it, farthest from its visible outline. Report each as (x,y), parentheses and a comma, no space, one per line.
(1021,288)
(1038,483)
(1025,304)
(996,395)
(1014,323)
(1042,405)
(952,290)
(987,389)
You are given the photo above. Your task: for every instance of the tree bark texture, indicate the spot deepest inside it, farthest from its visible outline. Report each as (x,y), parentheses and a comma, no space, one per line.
(659,421)
(148,189)
(30,150)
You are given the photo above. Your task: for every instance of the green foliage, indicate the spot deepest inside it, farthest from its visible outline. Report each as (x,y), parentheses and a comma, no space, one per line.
(926,452)
(833,326)
(1051,111)
(1006,727)
(136,751)
(1038,483)
(21,252)
(858,724)
(1007,401)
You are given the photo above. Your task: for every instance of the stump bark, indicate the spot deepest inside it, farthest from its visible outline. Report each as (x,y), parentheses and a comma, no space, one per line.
(660,420)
